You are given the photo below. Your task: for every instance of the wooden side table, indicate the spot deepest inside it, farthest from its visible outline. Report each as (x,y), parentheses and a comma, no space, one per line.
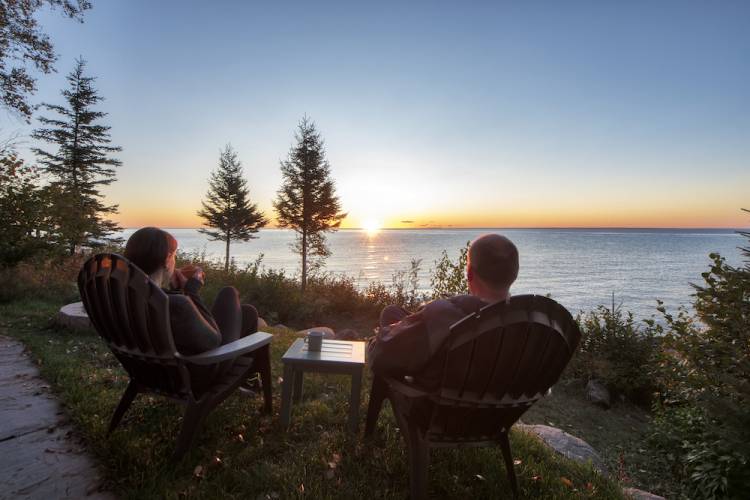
(336,356)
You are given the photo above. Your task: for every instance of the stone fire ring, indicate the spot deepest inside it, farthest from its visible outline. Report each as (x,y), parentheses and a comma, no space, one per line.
(74,316)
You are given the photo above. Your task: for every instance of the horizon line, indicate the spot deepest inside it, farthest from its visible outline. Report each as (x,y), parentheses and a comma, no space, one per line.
(726,228)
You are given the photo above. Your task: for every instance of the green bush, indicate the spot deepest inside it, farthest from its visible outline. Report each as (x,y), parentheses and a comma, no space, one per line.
(43,278)
(449,278)
(703,417)
(617,351)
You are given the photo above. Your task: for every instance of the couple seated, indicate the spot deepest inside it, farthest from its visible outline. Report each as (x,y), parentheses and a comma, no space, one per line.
(406,344)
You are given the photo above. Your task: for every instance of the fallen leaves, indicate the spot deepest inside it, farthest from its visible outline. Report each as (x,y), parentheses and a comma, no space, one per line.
(567,482)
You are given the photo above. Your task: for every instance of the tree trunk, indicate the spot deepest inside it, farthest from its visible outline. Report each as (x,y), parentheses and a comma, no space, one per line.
(226,258)
(304,260)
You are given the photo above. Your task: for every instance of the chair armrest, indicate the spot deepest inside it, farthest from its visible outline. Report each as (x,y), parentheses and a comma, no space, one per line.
(406,389)
(231,350)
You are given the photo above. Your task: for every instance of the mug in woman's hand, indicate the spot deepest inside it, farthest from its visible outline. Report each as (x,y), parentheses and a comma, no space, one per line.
(188,270)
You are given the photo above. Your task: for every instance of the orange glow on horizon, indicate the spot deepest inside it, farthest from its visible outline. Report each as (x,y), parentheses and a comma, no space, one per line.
(175,218)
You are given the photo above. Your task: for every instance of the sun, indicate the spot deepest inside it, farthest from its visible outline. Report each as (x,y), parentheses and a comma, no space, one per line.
(371,226)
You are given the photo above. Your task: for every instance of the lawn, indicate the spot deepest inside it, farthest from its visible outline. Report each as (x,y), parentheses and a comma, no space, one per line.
(243,453)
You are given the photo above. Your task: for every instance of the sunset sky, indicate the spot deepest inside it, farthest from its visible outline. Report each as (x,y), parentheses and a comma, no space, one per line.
(459,114)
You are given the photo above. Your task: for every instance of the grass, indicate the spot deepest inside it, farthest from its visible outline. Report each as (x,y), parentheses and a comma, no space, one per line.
(243,453)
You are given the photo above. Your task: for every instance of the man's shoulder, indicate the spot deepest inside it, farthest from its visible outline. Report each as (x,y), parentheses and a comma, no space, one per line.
(464,304)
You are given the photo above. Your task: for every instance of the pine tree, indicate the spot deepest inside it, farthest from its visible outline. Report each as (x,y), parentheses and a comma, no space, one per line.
(228,209)
(80,165)
(306,201)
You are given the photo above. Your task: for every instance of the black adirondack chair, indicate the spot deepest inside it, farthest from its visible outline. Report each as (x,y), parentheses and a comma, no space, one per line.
(499,362)
(131,313)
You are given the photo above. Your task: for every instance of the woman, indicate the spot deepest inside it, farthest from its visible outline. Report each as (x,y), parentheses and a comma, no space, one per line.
(195,328)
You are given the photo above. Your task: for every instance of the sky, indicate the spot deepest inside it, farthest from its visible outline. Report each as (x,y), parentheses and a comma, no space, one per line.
(434,114)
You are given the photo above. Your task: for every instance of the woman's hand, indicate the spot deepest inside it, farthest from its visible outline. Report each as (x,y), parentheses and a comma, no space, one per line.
(178,280)
(199,275)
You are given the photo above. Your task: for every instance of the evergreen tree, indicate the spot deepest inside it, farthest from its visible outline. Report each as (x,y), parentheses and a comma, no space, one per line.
(80,165)
(306,201)
(228,209)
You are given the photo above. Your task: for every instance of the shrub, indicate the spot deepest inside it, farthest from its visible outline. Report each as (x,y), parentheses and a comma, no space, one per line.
(449,278)
(703,418)
(617,351)
(52,279)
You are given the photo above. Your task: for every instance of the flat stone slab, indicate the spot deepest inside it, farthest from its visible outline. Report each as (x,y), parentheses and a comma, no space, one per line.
(636,494)
(74,316)
(567,445)
(39,456)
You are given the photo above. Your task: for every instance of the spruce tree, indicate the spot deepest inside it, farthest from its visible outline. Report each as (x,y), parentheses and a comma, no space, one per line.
(306,201)
(80,165)
(227,209)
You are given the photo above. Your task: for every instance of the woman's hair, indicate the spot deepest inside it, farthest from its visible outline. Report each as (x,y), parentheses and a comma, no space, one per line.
(149,247)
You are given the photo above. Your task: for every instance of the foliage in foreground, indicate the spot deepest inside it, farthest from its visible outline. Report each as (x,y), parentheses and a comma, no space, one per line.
(242,453)
(24,44)
(617,351)
(703,417)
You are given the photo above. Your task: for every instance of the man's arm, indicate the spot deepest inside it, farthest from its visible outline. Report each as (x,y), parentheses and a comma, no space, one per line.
(401,348)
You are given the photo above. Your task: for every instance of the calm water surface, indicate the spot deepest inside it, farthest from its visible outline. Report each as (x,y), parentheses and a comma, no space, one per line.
(580,268)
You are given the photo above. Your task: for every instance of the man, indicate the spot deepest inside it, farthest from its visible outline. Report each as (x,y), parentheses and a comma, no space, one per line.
(414,344)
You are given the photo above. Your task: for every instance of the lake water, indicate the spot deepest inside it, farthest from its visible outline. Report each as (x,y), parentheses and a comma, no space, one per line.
(580,268)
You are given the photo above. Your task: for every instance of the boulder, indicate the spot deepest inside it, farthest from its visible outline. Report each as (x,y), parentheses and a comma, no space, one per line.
(74,316)
(262,323)
(636,494)
(567,445)
(597,393)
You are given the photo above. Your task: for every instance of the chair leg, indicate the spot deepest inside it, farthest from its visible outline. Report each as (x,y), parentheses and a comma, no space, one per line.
(263,360)
(194,415)
(419,461)
(377,395)
(127,398)
(505,447)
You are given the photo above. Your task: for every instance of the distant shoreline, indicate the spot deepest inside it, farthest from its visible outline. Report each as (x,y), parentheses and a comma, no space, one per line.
(450,228)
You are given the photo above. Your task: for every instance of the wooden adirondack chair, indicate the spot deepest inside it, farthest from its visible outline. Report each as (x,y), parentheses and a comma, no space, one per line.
(131,313)
(499,362)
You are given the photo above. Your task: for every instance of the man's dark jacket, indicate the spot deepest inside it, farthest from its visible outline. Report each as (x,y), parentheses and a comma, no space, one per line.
(416,345)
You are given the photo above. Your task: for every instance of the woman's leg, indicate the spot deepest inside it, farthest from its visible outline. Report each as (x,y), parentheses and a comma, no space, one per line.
(228,314)
(249,320)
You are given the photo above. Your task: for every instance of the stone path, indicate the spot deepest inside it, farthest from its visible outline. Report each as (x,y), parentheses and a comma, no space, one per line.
(39,457)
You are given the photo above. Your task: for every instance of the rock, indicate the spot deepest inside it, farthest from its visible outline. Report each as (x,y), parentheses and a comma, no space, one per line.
(74,316)
(637,494)
(347,334)
(597,393)
(262,323)
(567,445)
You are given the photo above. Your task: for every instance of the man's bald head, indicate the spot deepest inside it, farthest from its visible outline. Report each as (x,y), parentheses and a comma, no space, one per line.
(494,260)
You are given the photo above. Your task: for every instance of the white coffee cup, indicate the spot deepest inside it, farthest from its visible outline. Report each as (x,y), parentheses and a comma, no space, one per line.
(314,341)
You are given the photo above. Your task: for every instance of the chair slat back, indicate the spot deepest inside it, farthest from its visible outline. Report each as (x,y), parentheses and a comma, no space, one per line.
(131,313)
(500,361)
